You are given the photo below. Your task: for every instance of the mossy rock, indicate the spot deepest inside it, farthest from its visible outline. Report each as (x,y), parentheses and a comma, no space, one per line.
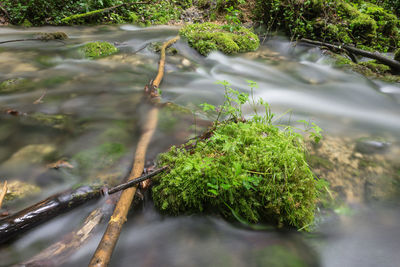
(11,85)
(99,49)
(19,189)
(250,170)
(370,68)
(208,37)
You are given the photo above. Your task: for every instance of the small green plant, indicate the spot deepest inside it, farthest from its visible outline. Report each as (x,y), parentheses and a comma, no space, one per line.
(232,17)
(247,169)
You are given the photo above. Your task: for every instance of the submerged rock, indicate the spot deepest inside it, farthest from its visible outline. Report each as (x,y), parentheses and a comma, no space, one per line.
(18,189)
(31,154)
(367,145)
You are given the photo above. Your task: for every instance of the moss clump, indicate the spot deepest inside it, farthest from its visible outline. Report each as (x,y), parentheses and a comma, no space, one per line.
(249,169)
(99,49)
(207,37)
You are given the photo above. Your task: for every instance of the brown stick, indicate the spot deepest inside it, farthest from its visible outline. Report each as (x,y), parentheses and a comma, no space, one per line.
(107,244)
(395,65)
(3,193)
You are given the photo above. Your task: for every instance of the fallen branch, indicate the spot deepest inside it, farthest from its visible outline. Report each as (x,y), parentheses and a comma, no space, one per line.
(107,244)
(94,12)
(59,252)
(393,64)
(57,204)
(3,193)
(44,36)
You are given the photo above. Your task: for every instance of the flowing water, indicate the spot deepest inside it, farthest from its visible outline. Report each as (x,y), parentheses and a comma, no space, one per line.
(89,113)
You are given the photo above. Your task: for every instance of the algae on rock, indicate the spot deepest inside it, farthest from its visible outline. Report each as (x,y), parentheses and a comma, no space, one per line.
(208,37)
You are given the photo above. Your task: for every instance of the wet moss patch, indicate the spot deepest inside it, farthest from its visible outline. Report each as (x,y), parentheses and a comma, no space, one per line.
(248,169)
(208,37)
(99,49)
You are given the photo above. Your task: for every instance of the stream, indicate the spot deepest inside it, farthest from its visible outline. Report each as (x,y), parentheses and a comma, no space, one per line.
(89,114)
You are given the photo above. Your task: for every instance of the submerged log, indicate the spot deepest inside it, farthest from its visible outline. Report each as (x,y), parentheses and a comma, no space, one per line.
(393,64)
(26,219)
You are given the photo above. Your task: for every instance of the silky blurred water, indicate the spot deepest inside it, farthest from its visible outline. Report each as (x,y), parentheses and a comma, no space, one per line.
(101,102)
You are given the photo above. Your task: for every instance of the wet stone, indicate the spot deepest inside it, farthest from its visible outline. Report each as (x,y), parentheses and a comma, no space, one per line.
(368,145)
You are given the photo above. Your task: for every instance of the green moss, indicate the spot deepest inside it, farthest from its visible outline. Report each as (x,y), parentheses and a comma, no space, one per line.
(248,169)
(58,121)
(99,49)
(363,26)
(369,68)
(207,37)
(19,189)
(11,85)
(376,67)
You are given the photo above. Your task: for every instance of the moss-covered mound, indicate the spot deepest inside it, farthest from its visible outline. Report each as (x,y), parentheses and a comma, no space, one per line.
(99,49)
(248,169)
(352,22)
(207,37)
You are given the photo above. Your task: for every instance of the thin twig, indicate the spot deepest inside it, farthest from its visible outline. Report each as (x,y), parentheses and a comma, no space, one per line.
(39,100)
(135,181)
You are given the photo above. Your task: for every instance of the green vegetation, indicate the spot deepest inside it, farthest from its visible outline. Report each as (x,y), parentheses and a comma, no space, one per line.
(207,37)
(246,169)
(369,68)
(56,12)
(98,49)
(351,22)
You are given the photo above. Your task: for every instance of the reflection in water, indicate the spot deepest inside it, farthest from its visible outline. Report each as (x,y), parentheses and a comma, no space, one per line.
(370,238)
(91,116)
